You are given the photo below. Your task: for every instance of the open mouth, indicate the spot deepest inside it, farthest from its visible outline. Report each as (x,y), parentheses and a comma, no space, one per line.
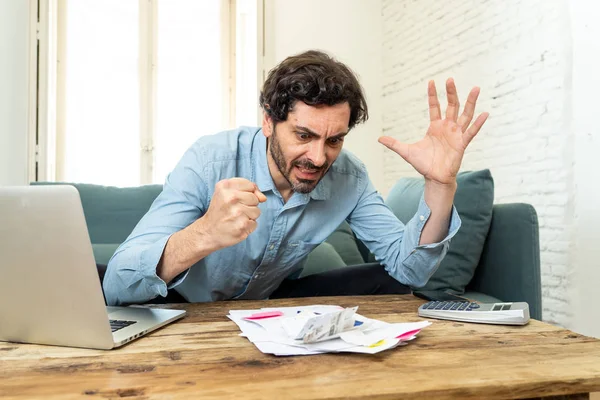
(307,173)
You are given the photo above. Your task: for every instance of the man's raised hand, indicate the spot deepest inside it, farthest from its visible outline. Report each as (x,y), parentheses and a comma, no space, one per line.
(439,154)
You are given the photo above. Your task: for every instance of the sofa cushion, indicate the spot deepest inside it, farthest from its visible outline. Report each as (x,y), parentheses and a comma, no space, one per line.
(473,200)
(323,258)
(103,252)
(344,242)
(509,268)
(111,212)
(481,297)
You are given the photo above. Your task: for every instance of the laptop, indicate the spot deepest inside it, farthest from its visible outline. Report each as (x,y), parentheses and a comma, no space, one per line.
(50,292)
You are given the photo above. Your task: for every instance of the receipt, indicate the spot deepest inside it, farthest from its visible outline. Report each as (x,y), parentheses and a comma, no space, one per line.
(311,328)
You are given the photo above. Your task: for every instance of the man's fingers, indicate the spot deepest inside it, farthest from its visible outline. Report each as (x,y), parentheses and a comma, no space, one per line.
(475,127)
(260,195)
(395,145)
(251,226)
(251,212)
(246,198)
(453,103)
(469,111)
(246,186)
(240,184)
(434,103)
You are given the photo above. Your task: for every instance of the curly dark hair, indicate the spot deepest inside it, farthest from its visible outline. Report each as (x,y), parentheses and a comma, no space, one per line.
(314,78)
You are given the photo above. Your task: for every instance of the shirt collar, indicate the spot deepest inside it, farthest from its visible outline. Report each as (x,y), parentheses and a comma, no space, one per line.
(322,191)
(262,175)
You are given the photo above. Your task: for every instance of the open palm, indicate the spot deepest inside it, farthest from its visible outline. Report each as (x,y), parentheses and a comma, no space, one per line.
(439,154)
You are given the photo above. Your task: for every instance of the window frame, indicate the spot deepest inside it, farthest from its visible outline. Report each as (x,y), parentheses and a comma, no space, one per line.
(47,80)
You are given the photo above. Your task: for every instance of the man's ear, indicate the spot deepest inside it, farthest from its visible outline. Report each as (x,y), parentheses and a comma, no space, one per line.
(267,125)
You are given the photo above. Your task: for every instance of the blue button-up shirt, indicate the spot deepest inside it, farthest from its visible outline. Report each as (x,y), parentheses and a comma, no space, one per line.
(286,231)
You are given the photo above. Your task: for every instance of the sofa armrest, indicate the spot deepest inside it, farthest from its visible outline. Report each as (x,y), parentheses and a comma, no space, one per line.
(509,268)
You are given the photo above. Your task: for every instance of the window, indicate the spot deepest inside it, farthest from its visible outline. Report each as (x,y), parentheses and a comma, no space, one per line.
(139,81)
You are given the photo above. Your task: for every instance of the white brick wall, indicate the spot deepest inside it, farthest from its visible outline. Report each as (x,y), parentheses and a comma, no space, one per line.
(585,32)
(518,52)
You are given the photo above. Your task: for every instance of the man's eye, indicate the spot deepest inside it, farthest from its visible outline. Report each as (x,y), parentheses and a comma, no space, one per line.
(335,140)
(303,136)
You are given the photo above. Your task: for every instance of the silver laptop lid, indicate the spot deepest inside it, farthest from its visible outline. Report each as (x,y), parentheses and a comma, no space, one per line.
(50,292)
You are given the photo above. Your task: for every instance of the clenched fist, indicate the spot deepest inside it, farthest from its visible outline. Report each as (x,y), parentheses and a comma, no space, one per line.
(233,211)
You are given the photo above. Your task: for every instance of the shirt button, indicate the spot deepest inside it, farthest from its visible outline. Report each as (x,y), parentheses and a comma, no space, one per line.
(422,218)
(271,247)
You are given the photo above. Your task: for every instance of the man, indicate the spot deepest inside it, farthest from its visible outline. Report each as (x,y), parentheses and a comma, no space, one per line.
(242,209)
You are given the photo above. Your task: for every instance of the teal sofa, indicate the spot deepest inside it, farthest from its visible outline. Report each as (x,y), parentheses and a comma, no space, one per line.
(506,264)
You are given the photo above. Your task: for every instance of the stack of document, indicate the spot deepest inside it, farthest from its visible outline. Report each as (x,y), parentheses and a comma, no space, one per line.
(318,329)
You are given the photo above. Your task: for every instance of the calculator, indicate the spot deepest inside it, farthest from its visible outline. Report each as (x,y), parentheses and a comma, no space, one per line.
(484,313)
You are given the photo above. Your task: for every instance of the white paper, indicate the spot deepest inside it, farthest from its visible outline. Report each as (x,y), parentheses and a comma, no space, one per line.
(371,337)
(321,329)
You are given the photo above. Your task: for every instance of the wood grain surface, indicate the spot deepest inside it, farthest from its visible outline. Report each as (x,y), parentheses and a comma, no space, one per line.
(203,356)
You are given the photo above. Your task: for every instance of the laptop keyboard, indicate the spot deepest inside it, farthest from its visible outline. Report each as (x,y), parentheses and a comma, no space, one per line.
(116,324)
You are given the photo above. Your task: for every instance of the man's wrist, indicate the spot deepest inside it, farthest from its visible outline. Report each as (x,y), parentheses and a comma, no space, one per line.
(441,189)
(439,197)
(184,249)
(204,241)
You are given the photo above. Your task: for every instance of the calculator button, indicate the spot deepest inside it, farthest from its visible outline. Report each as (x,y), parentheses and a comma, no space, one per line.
(474,305)
(439,306)
(463,306)
(447,306)
(455,306)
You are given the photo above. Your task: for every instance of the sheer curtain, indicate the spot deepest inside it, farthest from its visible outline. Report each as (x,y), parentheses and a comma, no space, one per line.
(188,48)
(101,120)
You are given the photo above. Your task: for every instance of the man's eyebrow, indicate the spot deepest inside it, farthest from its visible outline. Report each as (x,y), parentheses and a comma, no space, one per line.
(315,134)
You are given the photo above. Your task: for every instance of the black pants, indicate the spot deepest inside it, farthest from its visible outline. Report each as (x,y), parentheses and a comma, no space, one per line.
(357,280)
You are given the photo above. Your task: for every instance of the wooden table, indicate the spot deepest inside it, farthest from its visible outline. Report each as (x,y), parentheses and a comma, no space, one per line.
(202,356)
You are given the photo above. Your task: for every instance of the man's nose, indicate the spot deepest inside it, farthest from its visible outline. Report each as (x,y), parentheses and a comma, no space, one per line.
(316,154)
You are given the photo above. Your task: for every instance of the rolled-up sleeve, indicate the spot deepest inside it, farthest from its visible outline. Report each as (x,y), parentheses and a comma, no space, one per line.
(396,245)
(421,261)
(131,273)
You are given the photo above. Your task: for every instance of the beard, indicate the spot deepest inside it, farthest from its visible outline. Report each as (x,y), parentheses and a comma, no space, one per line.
(297,184)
